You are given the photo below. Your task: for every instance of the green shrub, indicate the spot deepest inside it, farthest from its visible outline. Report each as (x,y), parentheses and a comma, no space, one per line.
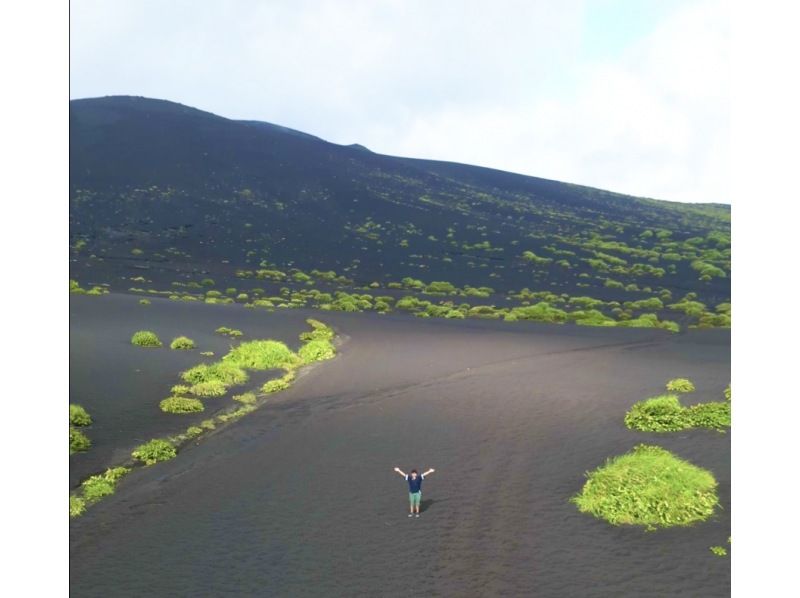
(658,414)
(680,385)
(181,405)
(212,388)
(261,355)
(648,486)
(78,416)
(728,393)
(145,338)
(207,424)
(247,398)
(719,550)
(77,506)
(154,451)
(78,441)
(179,389)
(144,301)
(182,343)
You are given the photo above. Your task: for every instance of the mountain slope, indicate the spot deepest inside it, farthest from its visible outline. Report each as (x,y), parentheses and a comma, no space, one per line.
(180,192)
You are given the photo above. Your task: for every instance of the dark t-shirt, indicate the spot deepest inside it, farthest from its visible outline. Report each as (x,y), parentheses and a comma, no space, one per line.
(414,485)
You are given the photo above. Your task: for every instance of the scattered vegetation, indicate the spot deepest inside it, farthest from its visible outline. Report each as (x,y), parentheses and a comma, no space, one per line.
(651,487)
(666,414)
(146,338)
(719,550)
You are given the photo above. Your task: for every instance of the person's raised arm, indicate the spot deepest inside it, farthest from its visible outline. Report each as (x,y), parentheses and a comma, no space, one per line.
(431,470)
(402,473)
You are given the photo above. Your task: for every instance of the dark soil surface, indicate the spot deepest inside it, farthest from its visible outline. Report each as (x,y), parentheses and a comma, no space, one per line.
(299,498)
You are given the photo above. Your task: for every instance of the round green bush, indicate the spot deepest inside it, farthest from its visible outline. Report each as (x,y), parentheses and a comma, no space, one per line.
(182,343)
(78,416)
(154,451)
(649,486)
(181,405)
(145,338)
(317,350)
(680,385)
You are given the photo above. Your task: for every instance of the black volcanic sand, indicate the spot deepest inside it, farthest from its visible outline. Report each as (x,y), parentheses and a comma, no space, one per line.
(299,498)
(121,384)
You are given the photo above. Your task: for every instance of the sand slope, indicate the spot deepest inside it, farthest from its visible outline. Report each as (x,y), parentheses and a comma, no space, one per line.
(298,499)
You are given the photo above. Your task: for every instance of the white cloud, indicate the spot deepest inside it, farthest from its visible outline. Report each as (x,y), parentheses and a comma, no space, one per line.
(654,123)
(506,87)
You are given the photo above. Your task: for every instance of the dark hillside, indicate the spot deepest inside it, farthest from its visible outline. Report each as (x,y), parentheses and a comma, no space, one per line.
(171,194)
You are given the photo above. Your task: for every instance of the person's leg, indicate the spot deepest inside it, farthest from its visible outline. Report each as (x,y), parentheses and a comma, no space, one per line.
(410,504)
(417,500)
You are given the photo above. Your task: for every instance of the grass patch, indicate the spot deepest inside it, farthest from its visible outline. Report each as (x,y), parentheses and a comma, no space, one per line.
(98,486)
(658,414)
(262,355)
(182,343)
(154,451)
(666,414)
(78,441)
(229,374)
(212,388)
(651,487)
(193,431)
(247,398)
(318,349)
(680,385)
(144,301)
(727,393)
(77,506)
(181,405)
(78,416)
(719,550)
(231,332)
(146,338)
(275,385)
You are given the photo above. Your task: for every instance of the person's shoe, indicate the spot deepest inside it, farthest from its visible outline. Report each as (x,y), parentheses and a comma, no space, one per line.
(409,514)
(417,514)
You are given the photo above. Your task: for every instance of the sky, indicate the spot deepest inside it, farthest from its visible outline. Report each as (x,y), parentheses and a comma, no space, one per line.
(626,95)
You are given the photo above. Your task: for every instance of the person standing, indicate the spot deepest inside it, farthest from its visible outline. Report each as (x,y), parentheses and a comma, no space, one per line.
(414,480)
